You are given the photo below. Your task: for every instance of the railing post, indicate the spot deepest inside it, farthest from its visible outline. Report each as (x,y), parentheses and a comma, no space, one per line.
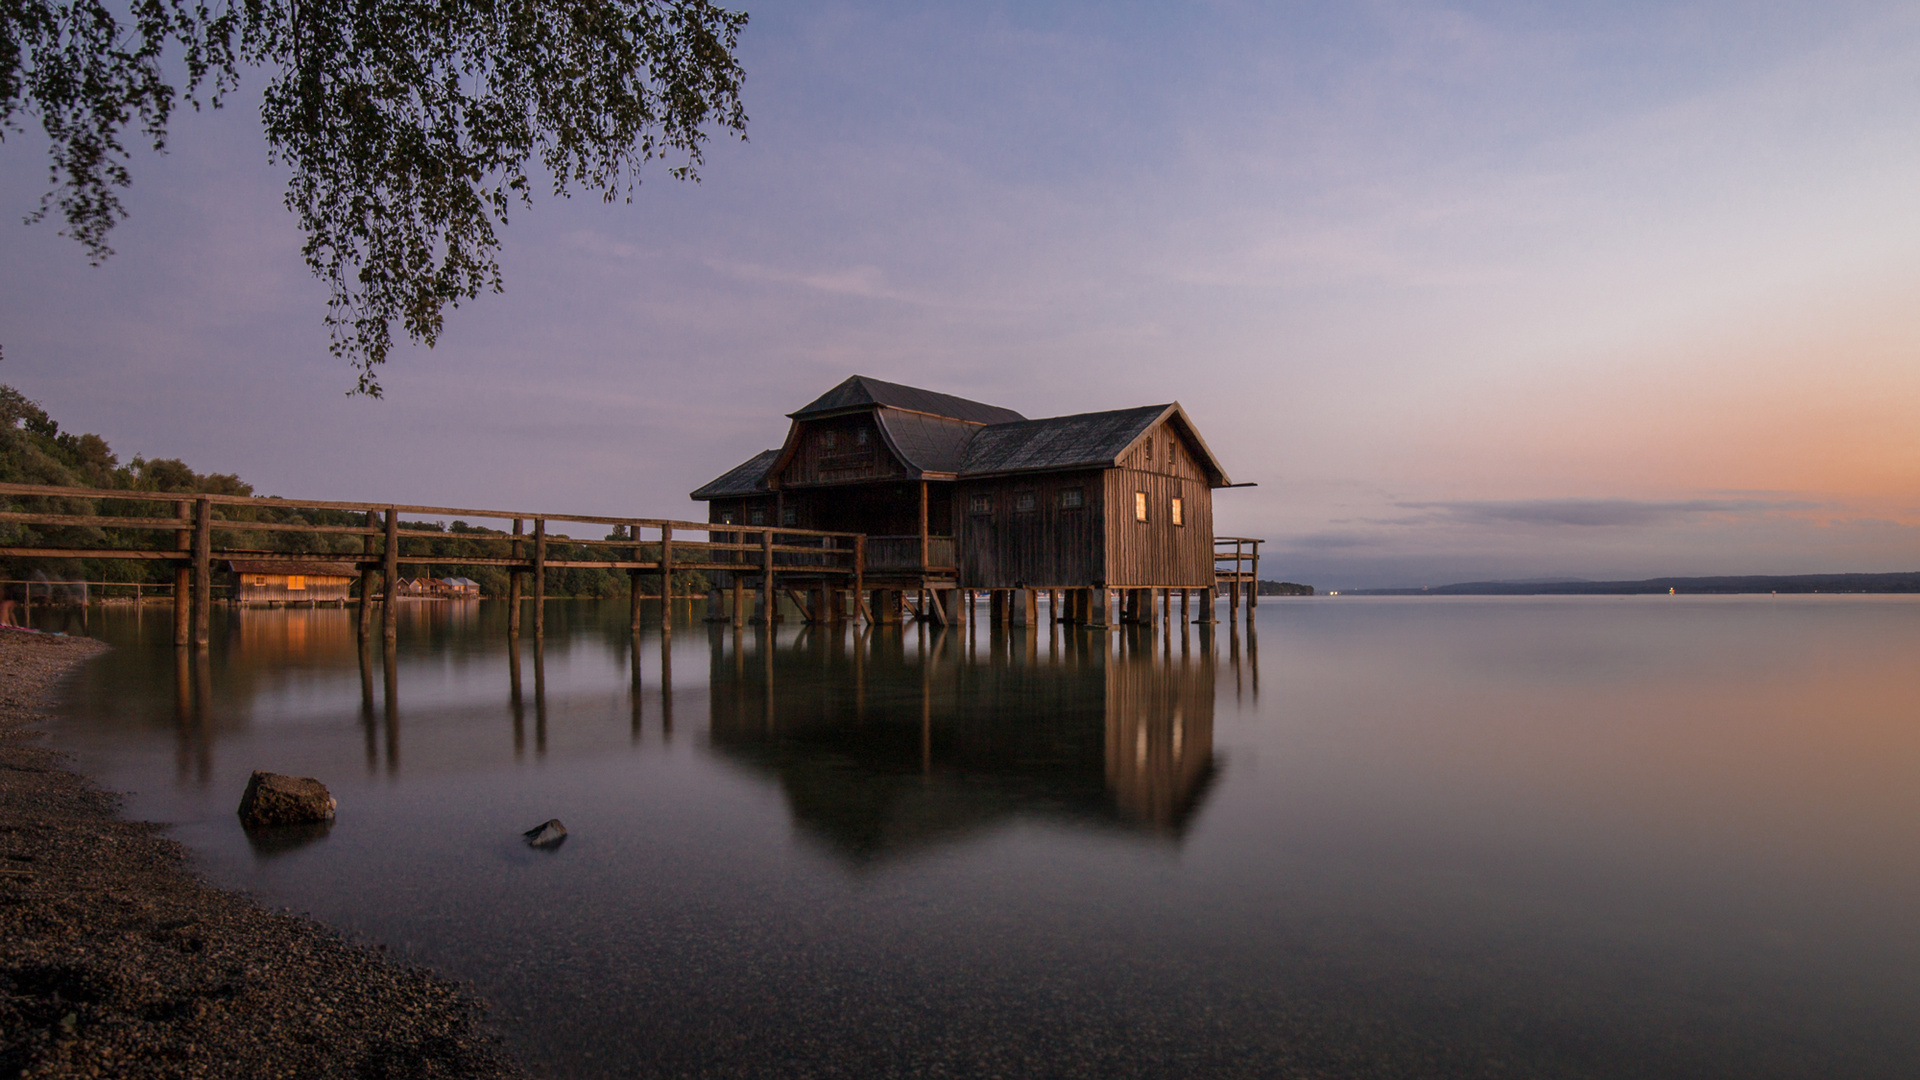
(390,564)
(202,572)
(516,552)
(539,579)
(183,577)
(860,577)
(365,625)
(666,579)
(1253,601)
(633,587)
(766,576)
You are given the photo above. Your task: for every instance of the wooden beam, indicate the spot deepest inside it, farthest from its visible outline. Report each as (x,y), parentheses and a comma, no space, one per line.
(767,598)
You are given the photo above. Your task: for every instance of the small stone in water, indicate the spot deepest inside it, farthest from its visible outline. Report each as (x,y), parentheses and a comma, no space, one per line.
(546,835)
(273,799)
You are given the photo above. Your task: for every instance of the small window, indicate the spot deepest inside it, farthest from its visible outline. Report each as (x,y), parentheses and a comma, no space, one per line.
(1139,506)
(726,517)
(1025,502)
(1172,447)
(789,515)
(830,439)
(980,504)
(860,437)
(757,517)
(1179,518)
(1072,499)
(297,582)
(1149,456)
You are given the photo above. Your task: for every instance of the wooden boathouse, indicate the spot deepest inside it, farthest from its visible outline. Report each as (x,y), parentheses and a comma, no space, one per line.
(955,496)
(254,581)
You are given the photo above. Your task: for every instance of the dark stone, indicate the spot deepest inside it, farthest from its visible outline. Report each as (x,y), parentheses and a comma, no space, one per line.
(549,834)
(273,799)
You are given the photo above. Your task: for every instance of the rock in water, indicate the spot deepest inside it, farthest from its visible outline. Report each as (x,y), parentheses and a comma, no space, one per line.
(273,799)
(548,834)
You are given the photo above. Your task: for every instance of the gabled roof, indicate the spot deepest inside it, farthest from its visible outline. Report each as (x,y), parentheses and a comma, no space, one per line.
(927,444)
(746,478)
(860,392)
(1087,440)
(307,569)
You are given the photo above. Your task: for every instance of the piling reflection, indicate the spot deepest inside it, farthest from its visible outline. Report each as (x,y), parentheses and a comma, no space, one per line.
(893,739)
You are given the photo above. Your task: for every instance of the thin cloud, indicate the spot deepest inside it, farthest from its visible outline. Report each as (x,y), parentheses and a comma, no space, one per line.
(1598,513)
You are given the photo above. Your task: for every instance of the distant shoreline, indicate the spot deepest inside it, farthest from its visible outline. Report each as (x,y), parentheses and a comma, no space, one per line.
(1692,586)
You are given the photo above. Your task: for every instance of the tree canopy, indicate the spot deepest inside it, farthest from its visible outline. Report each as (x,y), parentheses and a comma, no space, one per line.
(408,125)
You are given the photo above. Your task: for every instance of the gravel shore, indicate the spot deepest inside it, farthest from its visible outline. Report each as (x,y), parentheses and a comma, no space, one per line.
(115,960)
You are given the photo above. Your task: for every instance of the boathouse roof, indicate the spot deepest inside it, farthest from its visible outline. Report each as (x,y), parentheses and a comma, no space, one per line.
(1083,441)
(277,566)
(860,392)
(746,478)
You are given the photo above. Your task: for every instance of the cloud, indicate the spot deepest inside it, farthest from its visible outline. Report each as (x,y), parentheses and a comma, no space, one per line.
(1601,513)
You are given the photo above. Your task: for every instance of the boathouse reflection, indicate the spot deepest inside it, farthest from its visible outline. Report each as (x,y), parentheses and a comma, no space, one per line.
(894,740)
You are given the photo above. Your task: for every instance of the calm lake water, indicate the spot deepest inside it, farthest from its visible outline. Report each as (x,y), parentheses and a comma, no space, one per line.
(1607,837)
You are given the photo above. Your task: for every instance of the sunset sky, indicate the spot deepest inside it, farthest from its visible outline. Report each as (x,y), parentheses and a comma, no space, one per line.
(1485,290)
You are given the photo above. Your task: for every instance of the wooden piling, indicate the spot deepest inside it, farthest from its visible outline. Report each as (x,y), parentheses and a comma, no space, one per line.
(390,570)
(539,579)
(518,552)
(768,601)
(363,623)
(182,578)
(202,572)
(666,580)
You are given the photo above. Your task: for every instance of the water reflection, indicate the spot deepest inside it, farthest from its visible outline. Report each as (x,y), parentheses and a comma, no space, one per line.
(887,740)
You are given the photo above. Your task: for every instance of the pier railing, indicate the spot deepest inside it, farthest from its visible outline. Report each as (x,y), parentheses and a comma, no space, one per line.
(190,531)
(1236,567)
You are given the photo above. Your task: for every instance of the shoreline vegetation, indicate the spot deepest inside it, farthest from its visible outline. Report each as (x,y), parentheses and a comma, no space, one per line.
(1690,586)
(116,960)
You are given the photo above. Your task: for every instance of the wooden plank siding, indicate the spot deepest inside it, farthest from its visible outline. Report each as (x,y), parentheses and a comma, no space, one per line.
(1048,547)
(1156,552)
(840,450)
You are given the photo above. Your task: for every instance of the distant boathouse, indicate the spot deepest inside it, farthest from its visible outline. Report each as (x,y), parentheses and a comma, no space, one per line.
(955,494)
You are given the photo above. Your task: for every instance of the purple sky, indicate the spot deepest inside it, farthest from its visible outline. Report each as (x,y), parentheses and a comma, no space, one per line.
(1481,290)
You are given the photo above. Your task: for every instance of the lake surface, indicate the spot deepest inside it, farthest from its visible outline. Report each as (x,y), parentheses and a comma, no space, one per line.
(1553,837)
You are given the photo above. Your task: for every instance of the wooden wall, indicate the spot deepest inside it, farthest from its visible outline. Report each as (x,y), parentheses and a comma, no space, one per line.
(1157,552)
(1047,547)
(840,450)
(274,588)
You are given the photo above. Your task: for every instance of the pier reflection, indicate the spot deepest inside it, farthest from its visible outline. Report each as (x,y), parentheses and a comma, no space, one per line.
(889,740)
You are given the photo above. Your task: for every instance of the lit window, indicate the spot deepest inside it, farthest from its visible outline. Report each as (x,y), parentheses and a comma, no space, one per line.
(1024,502)
(297,582)
(1072,499)
(1178,517)
(1139,506)
(980,504)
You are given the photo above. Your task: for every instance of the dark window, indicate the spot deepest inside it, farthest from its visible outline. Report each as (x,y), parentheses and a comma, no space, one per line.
(860,436)
(1149,451)
(726,517)
(980,504)
(1025,502)
(759,517)
(1072,499)
(830,439)
(791,516)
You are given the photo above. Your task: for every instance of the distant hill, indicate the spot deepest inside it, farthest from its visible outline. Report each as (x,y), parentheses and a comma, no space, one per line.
(1752,583)
(1284,588)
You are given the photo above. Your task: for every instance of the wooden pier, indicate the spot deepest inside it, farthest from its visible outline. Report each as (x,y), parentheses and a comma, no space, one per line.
(825,573)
